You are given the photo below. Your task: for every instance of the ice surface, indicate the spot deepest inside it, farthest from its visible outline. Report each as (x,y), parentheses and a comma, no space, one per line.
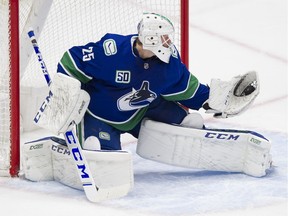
(227,38)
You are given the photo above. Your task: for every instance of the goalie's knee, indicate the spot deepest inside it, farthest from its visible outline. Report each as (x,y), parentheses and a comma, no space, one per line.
(92,143)
(193,120)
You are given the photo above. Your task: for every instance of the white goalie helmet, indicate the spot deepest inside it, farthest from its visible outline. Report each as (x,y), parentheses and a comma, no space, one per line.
(156,33)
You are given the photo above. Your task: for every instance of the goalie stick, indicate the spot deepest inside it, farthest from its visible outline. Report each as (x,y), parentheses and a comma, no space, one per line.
(93,193)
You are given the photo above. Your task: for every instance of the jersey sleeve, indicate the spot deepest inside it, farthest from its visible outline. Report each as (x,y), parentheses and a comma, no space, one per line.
(198,99)
(79,61)
(187,90)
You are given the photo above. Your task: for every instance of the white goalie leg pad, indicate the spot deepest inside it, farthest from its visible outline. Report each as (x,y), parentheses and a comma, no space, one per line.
(66,102)
(37,161)
(110,169)
(49,159)
(218,150)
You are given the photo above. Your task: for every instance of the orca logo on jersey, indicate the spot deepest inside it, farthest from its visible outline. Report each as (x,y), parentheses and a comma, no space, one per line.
(136,99)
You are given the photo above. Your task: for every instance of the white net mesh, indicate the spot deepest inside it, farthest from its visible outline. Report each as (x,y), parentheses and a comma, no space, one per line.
(68,23)
(71,23)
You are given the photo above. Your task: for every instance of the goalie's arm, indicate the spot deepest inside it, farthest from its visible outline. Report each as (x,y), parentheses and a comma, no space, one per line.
(222,98)
(79,63)
(199,98)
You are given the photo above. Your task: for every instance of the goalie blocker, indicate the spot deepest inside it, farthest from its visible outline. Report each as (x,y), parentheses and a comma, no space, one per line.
(215,150)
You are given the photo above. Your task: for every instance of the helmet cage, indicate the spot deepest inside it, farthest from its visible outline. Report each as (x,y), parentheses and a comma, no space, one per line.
(156,33)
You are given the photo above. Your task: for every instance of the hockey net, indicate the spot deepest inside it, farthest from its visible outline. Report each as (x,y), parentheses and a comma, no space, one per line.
(59,25)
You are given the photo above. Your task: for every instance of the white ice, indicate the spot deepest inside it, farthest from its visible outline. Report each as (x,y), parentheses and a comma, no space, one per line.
(227,38)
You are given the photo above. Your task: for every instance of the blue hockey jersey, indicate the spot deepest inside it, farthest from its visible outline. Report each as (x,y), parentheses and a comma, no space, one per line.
(122,85)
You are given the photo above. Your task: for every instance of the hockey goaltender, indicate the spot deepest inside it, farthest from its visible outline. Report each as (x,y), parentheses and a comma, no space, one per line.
(137,84)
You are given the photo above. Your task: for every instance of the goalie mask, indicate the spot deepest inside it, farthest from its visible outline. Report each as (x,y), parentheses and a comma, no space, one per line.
(156,33)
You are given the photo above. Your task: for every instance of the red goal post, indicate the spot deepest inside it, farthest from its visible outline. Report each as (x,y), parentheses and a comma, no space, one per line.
(60,24)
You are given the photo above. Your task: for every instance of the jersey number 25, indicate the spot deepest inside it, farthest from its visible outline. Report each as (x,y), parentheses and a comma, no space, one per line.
(88,54)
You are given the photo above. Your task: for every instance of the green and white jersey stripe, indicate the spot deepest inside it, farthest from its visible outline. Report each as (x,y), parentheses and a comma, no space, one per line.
(70,67)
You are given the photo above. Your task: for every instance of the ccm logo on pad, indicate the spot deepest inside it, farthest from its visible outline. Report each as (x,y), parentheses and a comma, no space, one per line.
(222,136)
